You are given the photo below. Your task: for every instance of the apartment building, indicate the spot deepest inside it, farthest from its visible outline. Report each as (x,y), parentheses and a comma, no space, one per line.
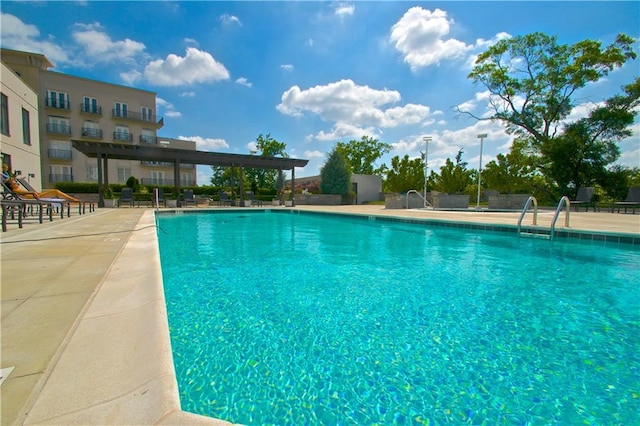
(76,108)
(19,138)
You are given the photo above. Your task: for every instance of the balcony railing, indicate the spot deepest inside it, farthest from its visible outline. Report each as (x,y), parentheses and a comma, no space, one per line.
(156,181)
(60,154)
(136,116)
(54,178)
(122,136)
(60,129)
(147,139)
(157,163)
(57,103)
(186,166)
(91,109)
(90,132)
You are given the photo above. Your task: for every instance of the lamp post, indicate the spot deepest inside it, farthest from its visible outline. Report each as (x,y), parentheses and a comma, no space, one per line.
(426,140)
(481,136)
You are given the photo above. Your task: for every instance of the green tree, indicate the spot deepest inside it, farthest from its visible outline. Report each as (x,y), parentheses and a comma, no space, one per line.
(335,175)
(454,178)
(362,155)
(405,174)
(267,147)
(533,80)
(512,173)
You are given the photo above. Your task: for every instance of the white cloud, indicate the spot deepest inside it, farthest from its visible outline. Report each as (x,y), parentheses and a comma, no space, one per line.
(421,36)
(356,110)
(190,94)
(343,10)
(206,144)
(191,41)
(18,35)
(244,82)
(230,19)
(196,66)
(168,110)
(287,67)
(314,154)
(98,46)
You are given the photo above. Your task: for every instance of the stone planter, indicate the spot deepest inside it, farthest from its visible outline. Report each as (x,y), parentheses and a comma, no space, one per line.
(288,203)
(445,201)
(172,203)
(110,203)
(275,203)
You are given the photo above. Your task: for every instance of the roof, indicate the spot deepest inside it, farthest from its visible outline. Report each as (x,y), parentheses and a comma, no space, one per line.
(155,153)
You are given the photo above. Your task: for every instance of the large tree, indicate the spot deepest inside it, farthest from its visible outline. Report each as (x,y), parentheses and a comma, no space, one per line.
(405,174)
(533,80)
(454,177)
(362,155)
(267,146)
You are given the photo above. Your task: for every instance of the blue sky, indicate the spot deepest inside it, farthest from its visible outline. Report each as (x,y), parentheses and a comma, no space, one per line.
(314,73)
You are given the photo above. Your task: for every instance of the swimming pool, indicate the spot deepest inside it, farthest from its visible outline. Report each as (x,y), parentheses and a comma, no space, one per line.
(280,318)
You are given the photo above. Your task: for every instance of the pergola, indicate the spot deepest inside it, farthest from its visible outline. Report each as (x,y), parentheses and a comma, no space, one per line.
(103,151)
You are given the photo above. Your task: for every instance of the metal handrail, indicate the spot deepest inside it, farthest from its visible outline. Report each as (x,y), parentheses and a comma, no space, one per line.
(524,211)
(424,200)
(563,201)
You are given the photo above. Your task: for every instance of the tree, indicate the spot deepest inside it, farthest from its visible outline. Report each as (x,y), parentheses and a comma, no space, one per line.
(405,174)
(335,175)
(361,155)
(453,178)
(512,173)
(268,147)
(532,80)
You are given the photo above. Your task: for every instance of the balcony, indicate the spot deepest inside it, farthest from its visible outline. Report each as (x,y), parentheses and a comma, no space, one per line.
(122,136)
(59,129)
(157,181)
(147,139)
(92,133)
(60,154)
(136,116)
(55,178)
(186,166)
(91,109)
(57,104)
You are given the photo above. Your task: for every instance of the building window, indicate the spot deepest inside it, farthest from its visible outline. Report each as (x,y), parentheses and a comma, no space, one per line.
(120,110)
(92,173)
(122,134)
(90,105)
(59,173)
(147,114)
(59,125)
(185,179)
(60,150)
(123,174)
(26,127)
(4,115)
(57,99)
(157,178)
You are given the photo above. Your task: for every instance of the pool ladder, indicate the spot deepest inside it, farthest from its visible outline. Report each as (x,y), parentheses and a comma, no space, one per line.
(536,231)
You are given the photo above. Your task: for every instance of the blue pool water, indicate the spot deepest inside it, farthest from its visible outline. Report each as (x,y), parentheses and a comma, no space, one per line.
(280,318)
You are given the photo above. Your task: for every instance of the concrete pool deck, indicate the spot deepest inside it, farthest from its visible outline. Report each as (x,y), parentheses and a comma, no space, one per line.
(84,321)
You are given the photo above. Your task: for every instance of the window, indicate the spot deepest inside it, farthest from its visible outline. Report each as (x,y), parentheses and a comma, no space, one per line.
(60,173)
(91,129)
(185,179)
(120,110)
(92,173)
(147,114)
(122,133)
(26,127)
(90,105)
(56,99)
(58,125)
(4,114)
(123,174)
(148,136)
(157,178)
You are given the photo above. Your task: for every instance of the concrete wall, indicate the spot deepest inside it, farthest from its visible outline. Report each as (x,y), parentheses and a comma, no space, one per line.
(369,187)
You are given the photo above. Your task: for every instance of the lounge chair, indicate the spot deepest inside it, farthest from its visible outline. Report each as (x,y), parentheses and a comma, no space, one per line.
(54,195)
(584,198)
(632,200)
(189,198)
(254,201)
(126,197)
(223,199)
(15,199)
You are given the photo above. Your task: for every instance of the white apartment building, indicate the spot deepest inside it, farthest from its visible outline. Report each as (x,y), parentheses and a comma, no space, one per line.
(74,108)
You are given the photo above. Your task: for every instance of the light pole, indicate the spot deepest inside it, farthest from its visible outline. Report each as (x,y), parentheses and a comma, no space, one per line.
(481,136)
(426,140)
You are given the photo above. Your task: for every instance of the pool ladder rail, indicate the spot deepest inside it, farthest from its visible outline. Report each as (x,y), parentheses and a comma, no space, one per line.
(540,232)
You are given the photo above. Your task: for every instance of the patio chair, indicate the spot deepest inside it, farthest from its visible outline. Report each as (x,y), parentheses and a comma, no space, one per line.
(632,200)
(126,197)
(189,198)
(27,204)
(223,199)
(585,197)
(254,201)
(55,194)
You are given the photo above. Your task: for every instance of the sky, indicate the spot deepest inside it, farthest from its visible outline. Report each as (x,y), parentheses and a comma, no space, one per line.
(314,73)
